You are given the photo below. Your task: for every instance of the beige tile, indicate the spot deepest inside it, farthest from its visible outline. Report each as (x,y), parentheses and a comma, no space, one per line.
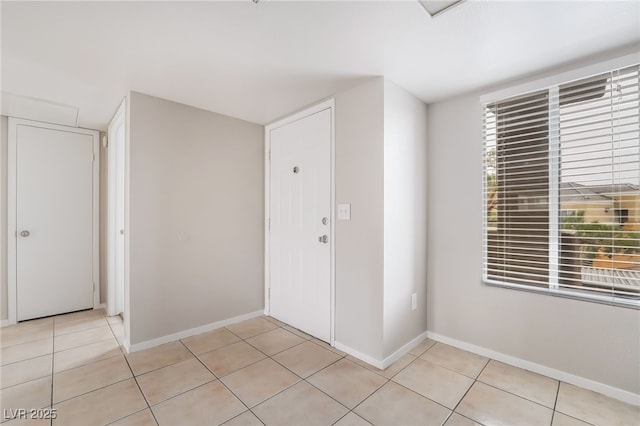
(101,406)
(117,328)
(560,419)
(455,359)
(26,420)
(347,382)
(245,419)
(116,319)
(252,327)
(306,359)
(81,338)
(25,371)
(595,408)
(26,332)
(352,419)
(33,394)
(422,347)
(275,341)
(210,404)
(89,314)
(458,420)
(25,351)
(396,405)
(273,320)
(87,378)
(230,358)
(327,346)
(532,386)
(391,370)
(151,359)
(78,324)
(301,404)
(297,332)
(210,340)
(488,405)
(141,418)
(166,382)
(444,386)
(259,381)
(76,357)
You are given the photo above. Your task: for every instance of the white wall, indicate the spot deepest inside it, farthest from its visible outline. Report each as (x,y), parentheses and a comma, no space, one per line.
(196,217)
(590,340)
(405,217)
(359,131)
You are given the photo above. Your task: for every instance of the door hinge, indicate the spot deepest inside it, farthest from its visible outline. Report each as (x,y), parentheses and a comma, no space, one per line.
(94,157)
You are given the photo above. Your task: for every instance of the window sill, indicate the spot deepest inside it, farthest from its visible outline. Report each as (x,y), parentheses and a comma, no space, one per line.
(621,302)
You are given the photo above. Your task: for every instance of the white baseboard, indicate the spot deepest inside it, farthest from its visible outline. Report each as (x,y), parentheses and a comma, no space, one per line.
(620,394)
(403,350)
(101,306)
(362,357)
(4,323)
(382,364)
(190,332)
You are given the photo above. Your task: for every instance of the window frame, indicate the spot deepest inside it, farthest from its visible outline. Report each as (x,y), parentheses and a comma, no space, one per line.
(550,83)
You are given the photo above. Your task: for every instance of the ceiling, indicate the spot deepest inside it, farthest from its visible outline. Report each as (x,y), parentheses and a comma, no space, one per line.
(261,61)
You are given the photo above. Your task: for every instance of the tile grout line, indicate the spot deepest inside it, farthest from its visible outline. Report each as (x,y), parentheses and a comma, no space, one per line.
(133,376)
(218,379)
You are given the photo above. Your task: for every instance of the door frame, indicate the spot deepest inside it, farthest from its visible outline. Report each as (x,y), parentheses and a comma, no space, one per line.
(12,239)
(112,232)
(330,105)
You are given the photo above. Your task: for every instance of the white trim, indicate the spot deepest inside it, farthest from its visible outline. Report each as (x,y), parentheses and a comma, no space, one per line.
(561,78)
(5,323)
(190,332)
(620,394)
(357,354)
(388,360)
(112,232)
(126,320)
(404,349)
(11,205)
(327,104)
(11,225)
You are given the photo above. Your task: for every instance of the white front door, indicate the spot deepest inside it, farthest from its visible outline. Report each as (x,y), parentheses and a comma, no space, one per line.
(300,224)
(54,220)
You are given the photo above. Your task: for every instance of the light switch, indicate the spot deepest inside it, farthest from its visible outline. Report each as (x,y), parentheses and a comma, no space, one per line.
(344,211)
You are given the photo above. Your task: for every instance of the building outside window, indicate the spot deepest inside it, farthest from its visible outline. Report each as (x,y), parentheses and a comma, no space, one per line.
(562,189)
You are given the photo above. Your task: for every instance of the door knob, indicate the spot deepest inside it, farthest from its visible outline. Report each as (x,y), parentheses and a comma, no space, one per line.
(25,234)
(323,239)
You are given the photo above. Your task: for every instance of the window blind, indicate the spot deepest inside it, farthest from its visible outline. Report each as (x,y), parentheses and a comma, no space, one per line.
(562,187)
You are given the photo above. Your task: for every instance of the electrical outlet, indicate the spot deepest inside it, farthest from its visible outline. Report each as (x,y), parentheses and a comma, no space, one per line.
(414,301)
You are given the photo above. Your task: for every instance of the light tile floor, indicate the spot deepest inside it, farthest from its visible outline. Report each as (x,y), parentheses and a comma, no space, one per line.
(262,371)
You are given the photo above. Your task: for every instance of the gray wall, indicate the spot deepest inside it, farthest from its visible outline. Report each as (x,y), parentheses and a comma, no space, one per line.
(196,217)
(590,340)
(405,217)
(381,169)
(359,131)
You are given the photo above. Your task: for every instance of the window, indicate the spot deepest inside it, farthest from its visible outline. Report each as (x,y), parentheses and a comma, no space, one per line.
(562,189)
